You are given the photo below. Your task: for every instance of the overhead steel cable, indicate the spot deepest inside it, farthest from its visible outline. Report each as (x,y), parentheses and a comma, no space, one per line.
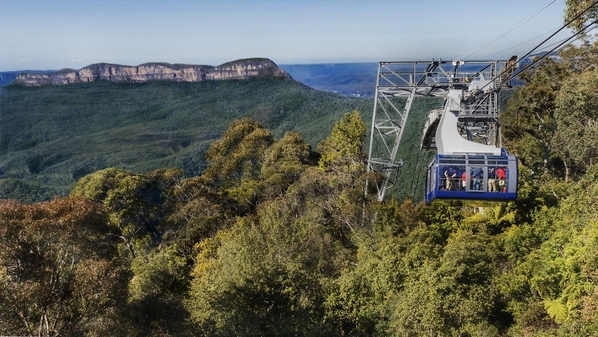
(540,58)
(562,27)
(515,46)
(536,61)
(510,30)
(511,76)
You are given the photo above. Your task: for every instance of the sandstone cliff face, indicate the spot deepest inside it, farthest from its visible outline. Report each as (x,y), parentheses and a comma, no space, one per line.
(236,70)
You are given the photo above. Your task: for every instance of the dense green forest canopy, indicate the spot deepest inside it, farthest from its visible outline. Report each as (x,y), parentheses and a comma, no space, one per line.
(276,237)
(51,136)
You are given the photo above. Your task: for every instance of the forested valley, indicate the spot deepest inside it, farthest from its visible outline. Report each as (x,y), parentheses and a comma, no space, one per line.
(277,238)
(51,136)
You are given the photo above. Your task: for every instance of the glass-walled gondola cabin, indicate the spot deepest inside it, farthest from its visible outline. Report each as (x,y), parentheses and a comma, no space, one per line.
(472,177)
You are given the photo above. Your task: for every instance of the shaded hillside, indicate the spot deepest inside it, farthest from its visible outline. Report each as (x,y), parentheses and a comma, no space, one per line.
(51,136)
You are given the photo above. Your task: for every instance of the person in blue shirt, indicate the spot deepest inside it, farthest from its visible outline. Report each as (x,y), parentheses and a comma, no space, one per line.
(451,176)
(477,175)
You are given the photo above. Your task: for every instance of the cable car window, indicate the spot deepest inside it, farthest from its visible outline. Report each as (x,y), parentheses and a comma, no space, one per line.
(501,175)
(451,162)
(431,180)
(451,178)
(462,175)
(492,180)
(482,178)
(477,178)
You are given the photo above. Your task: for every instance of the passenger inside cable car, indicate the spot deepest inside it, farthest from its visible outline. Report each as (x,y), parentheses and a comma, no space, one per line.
(474,177)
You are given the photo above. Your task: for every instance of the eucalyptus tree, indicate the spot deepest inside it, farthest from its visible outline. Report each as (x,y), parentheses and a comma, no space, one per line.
(58,273)
(135,203)
(580,12)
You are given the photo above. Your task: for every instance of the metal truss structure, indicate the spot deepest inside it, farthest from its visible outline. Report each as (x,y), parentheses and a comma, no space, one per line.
(399,83)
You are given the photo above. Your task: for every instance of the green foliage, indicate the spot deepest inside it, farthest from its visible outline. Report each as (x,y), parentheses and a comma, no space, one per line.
(549,279)
(238,154)
(196,212)
(552,111)
(361,299)
(268,274)
(97,185)
(453,294)
(274,240)
(344,145)
(284,162)
(57,274)
(529,123)
(264,278)
(577,118)
(54,135)
(235,160)
(134,203)
(552,277)
(156,293)
(556,310)
(576,10)
(28,191)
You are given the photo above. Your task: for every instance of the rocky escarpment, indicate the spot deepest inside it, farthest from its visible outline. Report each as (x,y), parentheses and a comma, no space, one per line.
(236,70)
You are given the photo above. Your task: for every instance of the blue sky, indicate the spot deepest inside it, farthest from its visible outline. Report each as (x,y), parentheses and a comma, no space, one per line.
(56,34)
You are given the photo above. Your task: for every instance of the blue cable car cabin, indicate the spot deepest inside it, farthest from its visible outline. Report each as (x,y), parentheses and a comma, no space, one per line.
(472,177)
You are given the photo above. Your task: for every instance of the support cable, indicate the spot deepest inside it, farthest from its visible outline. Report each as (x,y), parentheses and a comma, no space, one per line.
(539,59)
(510,30)
(580,32)
(519,45)
(411,189)
(416,174)
(559,30)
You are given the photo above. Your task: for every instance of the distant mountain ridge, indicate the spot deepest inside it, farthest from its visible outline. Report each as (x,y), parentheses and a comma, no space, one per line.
(7,77)
(116,73)
(348,79)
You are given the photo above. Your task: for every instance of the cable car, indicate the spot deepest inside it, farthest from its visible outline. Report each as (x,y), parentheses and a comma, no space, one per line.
(472,177)
(462,168)
(470,162)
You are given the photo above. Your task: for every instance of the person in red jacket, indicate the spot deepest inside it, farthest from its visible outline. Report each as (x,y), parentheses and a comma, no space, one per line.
(501,175)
